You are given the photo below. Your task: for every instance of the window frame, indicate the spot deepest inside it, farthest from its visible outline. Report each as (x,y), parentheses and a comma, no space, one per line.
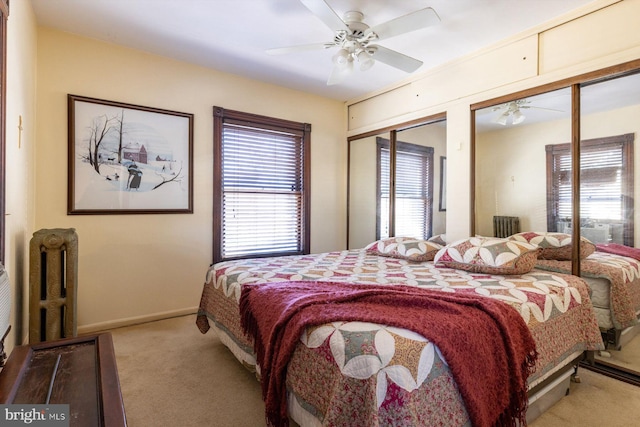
(626,141)
(220,115)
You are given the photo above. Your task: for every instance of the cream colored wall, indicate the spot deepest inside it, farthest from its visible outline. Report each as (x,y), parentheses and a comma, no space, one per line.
(363,192)
(20,158)
(598,35)
(511,173)
(140,267)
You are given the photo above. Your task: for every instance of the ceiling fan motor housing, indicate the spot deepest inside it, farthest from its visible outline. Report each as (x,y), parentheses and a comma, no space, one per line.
(353,20)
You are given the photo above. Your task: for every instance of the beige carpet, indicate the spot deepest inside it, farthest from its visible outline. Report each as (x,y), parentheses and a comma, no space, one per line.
(172,375)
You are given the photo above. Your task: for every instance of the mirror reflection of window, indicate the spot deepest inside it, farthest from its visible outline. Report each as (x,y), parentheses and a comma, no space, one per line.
(418,179)
(414,190)
(608,127)
(606,185)
(419,184)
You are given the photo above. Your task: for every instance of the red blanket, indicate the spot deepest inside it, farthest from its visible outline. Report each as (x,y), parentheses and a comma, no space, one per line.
(618,249)
(486,343)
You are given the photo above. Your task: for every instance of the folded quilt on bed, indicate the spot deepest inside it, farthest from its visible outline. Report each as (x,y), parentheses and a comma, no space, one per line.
(493,382)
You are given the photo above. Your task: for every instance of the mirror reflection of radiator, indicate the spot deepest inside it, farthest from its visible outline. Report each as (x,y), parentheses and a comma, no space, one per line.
(53,278)
(505,226)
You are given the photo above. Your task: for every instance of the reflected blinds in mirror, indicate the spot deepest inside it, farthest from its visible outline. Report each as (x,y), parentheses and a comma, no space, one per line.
(606,182)
(414,190)
(559,188)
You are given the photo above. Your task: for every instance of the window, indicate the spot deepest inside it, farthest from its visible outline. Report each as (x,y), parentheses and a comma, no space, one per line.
(261,186)
(606,187)
(414,190)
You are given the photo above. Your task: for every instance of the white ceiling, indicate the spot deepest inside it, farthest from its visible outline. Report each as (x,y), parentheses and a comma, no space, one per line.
(232,35)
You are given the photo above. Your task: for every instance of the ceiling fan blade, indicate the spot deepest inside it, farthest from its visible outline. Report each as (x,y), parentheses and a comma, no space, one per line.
(542,108)
(323,11)
(404,24)
(299,48)
(395,59)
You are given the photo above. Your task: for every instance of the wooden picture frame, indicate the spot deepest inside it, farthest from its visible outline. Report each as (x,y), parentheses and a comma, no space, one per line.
(443,184)
(128,159)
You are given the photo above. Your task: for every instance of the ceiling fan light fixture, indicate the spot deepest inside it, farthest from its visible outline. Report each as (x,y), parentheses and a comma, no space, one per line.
(365,60)
(502,119)
(518,117)
(342,58)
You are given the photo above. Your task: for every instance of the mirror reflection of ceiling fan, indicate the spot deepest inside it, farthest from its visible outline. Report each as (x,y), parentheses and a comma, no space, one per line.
(511,110)
(356,40)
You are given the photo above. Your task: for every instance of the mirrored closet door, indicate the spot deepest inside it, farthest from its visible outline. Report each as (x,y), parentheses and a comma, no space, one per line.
(561,159)
(609,125)
(396,185)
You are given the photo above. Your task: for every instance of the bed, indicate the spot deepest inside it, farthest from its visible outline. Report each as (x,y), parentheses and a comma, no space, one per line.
(612,272)
(614,283)
(399,378)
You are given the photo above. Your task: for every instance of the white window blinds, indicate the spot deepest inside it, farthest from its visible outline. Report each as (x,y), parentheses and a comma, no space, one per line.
(262,190)
(414,190)
(601,184)
(606,186)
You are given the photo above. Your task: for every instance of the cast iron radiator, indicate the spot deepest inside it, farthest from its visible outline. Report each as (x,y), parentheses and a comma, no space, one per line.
(505,226)
(53,280)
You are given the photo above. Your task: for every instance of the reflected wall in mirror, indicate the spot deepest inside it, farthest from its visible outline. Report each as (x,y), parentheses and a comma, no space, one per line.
(412,153)
(511,143)
(609,125)
(363,183)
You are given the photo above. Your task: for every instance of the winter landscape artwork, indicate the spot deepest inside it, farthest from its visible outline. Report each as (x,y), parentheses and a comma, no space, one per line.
(128,159)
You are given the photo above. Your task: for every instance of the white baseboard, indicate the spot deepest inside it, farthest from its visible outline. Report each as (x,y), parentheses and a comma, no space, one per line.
(112,324)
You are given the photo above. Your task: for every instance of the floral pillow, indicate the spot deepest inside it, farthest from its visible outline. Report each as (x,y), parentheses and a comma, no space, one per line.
(489,255)
(408,248)
(555,246)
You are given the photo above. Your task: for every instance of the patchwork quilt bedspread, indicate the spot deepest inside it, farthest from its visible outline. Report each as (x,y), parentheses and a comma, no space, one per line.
(623,274)
(356,373)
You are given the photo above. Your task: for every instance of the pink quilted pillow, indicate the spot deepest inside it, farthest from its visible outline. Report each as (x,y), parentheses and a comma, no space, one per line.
(408,248)
(555,246)
(489,255)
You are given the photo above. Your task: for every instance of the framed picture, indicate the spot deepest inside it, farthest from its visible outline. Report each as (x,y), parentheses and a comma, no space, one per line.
(443,184)
(128,159)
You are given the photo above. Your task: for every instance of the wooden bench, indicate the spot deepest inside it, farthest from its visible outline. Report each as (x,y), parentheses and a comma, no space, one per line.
(80,372)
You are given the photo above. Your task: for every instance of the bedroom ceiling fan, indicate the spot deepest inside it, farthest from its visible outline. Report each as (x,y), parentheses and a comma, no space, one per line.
(356,40)
(511,110)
